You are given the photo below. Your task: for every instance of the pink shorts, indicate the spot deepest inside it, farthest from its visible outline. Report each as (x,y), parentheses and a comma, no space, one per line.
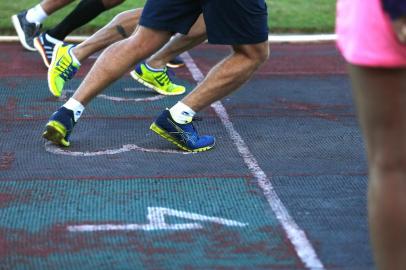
(365,36)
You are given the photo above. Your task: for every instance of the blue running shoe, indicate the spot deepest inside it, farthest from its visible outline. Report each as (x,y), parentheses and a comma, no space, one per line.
(45,47)
(182,135)
(59,127)
(26,31)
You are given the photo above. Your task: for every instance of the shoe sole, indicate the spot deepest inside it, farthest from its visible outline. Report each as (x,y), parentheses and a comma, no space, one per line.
(136,77)
(41,51)
(55,94)
(161,132)
(175,65)
(20,33)
(54,132)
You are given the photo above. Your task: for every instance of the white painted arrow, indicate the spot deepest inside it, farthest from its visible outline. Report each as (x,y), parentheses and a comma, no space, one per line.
(156,217)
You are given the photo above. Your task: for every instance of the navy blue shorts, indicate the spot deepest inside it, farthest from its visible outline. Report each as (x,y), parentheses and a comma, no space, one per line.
(232,22)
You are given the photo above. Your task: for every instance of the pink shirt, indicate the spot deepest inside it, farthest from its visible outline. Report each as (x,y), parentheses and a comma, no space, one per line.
(365,36)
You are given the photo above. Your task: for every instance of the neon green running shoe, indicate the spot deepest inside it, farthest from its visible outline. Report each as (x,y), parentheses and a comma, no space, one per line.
(61,69)
(157,80)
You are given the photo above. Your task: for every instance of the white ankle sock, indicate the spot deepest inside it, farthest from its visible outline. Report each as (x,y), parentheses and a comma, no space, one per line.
(74,59)
(76,107)
(181,113)
(36,14)
(154,69)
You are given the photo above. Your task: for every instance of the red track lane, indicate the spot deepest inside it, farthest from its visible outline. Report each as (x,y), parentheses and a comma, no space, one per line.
(285,59)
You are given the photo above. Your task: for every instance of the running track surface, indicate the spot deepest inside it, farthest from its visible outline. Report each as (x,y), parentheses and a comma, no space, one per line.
(284,188)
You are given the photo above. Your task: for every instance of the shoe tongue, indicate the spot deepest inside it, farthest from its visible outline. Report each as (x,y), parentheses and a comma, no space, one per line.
(38,26)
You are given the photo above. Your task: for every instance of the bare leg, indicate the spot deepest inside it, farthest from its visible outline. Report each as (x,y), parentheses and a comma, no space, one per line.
(380,95)
(228,75)
(118,59)
(119,28)
(50,6)
(179,44)
(125,23)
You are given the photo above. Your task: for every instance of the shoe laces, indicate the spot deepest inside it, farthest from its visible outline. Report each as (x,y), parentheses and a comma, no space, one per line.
(66,69)
(165,77)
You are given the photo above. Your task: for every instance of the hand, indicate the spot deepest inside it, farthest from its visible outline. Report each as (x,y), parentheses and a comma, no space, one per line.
(399,27)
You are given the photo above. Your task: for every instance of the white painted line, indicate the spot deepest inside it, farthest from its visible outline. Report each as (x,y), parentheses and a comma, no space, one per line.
(134,227)
(156,218)
(53,149)
(296,235)
(9,39)
(126,99)
(301,38)
(73,39)
(272,38)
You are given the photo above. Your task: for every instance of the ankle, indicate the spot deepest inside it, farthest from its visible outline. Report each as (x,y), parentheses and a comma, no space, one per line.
(76,107)
(155,65)
(181,113)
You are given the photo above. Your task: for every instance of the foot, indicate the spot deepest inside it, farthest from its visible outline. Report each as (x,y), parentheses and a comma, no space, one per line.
(176,62)
(26,31)
(59,127)
(184,136)
(45,48)
(157,80)
(61,69)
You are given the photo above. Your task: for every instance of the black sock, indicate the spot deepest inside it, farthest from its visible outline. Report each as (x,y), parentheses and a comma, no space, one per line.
(84,12)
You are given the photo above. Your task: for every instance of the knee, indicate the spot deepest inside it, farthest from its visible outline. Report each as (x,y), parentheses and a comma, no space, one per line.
(128,15)
(119,18)
(198,30)
(196,34)
(261,54)
(256,54)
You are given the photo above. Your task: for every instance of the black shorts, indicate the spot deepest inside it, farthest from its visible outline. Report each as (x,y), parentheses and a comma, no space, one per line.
(232,22)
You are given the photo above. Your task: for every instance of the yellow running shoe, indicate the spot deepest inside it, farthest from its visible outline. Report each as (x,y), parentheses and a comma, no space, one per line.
(157,80)
(61,69)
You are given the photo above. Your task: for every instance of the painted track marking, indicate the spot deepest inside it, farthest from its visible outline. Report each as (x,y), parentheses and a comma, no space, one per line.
(124,99)
(51,148)
(296,235)
(156,218)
